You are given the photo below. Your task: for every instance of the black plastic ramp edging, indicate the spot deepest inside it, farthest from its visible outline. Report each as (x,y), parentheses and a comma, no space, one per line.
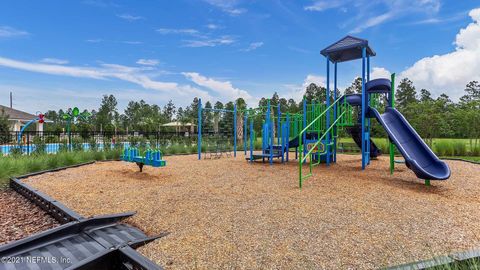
(84,244)
(93,243)
(56,209)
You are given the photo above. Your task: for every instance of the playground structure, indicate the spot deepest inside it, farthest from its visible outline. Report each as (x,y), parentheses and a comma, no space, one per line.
(151,157)
(40,118)
(313,132)
(72,117)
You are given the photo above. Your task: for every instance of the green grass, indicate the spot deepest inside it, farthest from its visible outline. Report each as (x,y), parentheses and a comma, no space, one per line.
(444,147)
(475,159)
(19,165)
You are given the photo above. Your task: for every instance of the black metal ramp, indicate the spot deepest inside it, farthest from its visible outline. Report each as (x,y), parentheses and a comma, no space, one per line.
(84,244)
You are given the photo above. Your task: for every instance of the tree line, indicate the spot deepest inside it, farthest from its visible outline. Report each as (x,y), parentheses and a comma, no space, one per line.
(432,117)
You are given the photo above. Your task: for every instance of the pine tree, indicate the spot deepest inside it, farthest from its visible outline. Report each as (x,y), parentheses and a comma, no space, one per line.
(473,90)
(355,87)
(425,95)
(406,93)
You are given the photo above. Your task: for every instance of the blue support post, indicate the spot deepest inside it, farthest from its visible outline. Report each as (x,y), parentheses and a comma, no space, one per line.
(235,130)
(245,119)
(335,112)
(327,122)
(364,160)
(251,140)
(368,102)
(270,133)
(199,129)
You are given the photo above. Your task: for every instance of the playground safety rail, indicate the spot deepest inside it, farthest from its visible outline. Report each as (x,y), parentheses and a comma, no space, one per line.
(341,118)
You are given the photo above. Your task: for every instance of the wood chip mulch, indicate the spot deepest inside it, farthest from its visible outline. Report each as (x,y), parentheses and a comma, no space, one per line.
(20,218)
(227,213)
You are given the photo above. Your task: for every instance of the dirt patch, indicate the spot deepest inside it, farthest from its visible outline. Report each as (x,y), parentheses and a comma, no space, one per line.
(20,218)
(227,213)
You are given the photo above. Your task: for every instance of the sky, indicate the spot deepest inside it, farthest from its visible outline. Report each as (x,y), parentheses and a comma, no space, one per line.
(59,54)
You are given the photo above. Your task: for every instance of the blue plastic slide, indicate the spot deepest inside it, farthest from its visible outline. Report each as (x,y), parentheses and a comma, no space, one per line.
(418,156)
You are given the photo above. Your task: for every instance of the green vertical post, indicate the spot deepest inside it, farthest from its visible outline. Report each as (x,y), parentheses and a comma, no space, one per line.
(392,104)
(427,182)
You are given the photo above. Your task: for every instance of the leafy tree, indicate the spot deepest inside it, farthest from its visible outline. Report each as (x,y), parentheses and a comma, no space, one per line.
(292,106)
(355,87)
(107,113)
(405,94)
(425,96)
(181,115)
(473,90)
(169,111)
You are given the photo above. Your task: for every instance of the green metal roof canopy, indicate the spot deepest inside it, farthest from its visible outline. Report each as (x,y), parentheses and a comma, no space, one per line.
(346,49)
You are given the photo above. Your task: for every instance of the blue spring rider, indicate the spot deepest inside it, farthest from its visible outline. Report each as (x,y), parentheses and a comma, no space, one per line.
(152,157)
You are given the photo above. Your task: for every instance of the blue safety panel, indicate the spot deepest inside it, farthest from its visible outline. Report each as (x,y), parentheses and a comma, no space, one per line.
(346,49)
(379,86)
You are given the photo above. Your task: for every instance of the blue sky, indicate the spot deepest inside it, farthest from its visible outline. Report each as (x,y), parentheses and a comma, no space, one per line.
(59,54)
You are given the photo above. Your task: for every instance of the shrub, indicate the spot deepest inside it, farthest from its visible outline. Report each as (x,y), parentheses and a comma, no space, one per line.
(193,149)
(92,144)
(174,149)
(51,139)
(16,151)
(77,144)
(63,147)
(107,146)
(444,148)
(99,155)
(476,151)
(460,148)
(40,146)
(133,141)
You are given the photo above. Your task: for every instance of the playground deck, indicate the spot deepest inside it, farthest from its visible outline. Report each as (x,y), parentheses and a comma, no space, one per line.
(228,213)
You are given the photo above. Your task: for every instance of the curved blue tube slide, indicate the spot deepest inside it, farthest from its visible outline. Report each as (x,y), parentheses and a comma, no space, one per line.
(418,156)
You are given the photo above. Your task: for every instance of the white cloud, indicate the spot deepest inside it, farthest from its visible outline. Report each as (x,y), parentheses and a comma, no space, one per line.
(213,26)
(54,61)
(224,88)
(132,42)
(148,62)
(373,22)
(209,42)
(365,13)
(449,73)
(323,5)
(94,40)
(199,39)
(379,72)
(228,6)
(210,90)
(129,17)
(109,71)
(183,31)
(253,46)
(10,32)
(296,91)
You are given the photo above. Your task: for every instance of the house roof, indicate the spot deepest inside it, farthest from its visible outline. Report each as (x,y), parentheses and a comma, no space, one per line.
(178,124)
(14,114)
(346,49)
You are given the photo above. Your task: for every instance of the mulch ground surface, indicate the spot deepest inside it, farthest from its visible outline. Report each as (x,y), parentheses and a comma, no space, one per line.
(227,213)
(20,218)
